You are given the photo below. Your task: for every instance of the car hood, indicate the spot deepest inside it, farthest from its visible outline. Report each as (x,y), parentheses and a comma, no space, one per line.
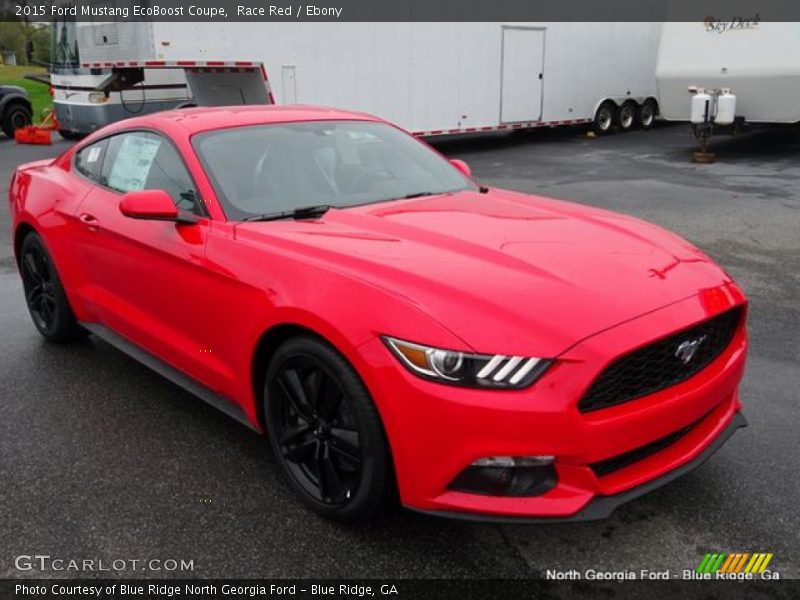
(506,272)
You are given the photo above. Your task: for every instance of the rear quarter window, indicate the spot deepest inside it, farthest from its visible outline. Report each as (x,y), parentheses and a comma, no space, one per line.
(89,160)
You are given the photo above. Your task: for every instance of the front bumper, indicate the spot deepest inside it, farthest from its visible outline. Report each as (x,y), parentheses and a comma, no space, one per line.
(435,431)
(603,506)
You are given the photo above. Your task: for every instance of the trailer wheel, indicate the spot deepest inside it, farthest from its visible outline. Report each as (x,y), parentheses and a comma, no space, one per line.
(628,114)
(647,113)
(68,134)
(605,118)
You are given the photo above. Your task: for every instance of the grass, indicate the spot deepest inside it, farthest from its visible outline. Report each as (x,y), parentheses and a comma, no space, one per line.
(38,93)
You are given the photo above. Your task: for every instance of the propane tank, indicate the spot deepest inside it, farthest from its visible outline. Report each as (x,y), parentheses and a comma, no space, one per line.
(702,107)
(726,108)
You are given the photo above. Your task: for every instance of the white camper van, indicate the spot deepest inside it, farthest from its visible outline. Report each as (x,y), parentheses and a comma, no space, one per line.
(431,78)
(753,65)
(78,106)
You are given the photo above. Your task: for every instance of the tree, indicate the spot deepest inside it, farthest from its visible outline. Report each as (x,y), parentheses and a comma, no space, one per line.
(40,36)
(12,37)
(15,35)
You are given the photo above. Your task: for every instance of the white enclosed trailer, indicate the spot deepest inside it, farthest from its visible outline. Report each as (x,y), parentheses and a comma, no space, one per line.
(430,78)
(757,61)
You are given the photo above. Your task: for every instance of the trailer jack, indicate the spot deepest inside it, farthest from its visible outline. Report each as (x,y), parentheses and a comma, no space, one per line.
(712,110)
(702,133)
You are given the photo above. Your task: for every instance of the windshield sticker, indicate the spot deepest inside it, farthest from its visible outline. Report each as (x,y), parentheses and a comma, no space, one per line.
(94,154)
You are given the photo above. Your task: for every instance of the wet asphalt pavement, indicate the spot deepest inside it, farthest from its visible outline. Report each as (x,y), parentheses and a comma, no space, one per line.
(101,458)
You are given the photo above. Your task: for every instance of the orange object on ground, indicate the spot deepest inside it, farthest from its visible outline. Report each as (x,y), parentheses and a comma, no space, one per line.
(38,134)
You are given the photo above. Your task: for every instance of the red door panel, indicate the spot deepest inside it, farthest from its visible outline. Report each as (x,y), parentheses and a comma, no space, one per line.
(149,283)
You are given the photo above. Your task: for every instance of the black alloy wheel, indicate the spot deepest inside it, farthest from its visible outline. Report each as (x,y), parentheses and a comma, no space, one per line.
(316,433)
(44,294)
(325,430)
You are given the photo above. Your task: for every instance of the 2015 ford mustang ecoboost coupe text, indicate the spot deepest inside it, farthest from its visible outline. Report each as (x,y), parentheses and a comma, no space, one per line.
(391,325)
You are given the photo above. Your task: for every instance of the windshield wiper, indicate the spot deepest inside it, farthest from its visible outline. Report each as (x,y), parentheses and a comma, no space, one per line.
(420,195)
(304,212)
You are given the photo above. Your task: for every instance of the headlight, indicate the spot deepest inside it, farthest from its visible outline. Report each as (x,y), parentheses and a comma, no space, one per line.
(98,97)
(473,370)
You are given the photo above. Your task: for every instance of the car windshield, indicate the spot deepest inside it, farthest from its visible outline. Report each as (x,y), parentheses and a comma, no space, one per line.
(269,168)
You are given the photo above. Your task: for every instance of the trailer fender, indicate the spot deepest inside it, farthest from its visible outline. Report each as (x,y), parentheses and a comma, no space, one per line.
(620,100)
(602,101)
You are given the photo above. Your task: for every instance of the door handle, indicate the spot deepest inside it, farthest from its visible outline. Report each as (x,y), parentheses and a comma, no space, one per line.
(89,220)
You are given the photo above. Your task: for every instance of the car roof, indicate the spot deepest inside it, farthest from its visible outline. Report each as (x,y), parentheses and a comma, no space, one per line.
(195,120)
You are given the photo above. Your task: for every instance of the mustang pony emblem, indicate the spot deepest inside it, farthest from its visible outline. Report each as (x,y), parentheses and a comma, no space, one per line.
(686,351)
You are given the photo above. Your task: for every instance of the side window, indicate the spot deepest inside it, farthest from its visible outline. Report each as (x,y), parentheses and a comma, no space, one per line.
(146,161)
(89,160)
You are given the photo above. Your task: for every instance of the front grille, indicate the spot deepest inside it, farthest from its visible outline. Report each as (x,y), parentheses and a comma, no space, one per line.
(615,463)
(659,365)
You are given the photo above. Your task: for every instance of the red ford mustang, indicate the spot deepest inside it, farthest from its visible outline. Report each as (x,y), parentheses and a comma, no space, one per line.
(390,324)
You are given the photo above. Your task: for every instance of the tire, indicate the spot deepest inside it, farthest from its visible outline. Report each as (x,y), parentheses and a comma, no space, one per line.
(647,114)
(628,115)
(71,135)
(605,119)
(47,302)
(325,431)
(16,115)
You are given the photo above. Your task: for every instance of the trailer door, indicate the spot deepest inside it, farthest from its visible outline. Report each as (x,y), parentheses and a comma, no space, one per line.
(522,73)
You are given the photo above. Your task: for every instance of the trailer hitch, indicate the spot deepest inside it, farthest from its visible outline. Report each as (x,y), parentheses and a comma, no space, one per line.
(121,79)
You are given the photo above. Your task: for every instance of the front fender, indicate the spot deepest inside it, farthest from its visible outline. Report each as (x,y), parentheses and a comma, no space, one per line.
(348,326)
(258,287)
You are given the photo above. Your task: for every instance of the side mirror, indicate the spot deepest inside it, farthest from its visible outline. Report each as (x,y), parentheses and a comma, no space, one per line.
(154,205)
(461,166)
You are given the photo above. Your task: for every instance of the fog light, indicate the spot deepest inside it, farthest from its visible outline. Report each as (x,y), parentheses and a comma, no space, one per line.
(507,476)
(514,461)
